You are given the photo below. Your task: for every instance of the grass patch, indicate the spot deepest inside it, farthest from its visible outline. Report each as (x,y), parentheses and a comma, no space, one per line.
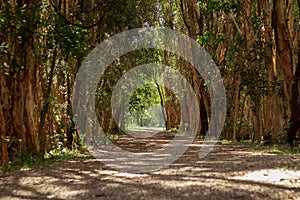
(241,142)
(28,162)
(36,162)
(294,166)
(279,149)
(172,130)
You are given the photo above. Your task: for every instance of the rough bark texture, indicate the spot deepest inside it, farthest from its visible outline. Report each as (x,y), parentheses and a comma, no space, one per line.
(19,85)
(194,23)
(294,122)
(283,23)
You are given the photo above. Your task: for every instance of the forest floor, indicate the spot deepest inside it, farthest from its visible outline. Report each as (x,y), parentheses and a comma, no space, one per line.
(230,171)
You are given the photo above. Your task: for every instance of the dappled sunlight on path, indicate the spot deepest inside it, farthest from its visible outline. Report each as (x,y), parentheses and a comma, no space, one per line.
(229,172)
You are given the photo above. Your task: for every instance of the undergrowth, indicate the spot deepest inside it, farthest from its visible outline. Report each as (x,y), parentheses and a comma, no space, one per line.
(34,161)
(275,148)
(267,148)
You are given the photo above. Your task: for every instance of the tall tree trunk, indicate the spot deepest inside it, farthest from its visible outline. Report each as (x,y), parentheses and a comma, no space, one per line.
(236,99)
(19,80)
(70,122)
(283,23)
(194,24)
(3,131)
(45,107)
(294,122)
(160,92)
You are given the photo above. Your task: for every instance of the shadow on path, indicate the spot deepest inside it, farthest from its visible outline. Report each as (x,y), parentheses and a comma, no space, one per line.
(220,175)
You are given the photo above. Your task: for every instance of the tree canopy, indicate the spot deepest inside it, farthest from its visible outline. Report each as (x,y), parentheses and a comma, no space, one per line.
(255,45)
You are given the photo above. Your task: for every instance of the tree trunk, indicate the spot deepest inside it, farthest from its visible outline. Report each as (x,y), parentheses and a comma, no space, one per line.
(284,34)
(45,107)
(194,24)
(160,92)
(294,122)
(236,98)
(19,79)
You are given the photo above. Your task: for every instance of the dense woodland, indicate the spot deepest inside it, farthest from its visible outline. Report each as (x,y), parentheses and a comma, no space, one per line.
(254,43)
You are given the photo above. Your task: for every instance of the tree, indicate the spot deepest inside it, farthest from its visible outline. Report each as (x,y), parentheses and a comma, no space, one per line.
(294,122)
(19,75)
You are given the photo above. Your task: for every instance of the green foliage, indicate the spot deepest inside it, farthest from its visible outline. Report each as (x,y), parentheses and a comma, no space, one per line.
(71,39)
(172,130)
(221,38)
(30,160)
(293,166)
(277,149)
(18,25)
(33,161)
(127,15)
(205,38)
(66,37)
(143,105)
(144,96)
(19,22)
(209,6)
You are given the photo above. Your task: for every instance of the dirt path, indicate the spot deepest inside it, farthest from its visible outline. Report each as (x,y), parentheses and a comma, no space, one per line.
(229,172)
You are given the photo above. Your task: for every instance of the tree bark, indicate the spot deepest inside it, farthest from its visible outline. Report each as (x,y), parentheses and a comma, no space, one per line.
(283,23)
(294,122)
(19,78)
(194,24)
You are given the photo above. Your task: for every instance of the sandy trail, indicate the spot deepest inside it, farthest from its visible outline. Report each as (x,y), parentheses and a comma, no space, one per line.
(228,172)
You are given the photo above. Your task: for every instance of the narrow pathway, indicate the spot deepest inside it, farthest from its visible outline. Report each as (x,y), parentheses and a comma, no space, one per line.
(228,172)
